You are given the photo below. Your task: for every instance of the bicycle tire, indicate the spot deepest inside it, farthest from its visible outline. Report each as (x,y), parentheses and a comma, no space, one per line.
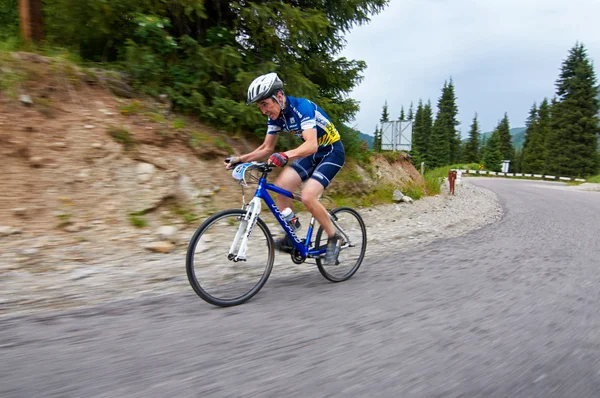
(340,214)
(228,227)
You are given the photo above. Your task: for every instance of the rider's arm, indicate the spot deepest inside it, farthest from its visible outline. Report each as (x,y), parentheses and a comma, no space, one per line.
(308,147)
(263,151)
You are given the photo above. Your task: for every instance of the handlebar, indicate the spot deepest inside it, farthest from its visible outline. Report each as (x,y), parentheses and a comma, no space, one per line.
(261,166)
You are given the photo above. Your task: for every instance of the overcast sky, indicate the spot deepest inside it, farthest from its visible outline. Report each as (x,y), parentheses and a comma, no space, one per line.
(501,54)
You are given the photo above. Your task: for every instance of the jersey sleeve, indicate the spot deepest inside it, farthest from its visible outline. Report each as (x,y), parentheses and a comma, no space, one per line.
(273,127)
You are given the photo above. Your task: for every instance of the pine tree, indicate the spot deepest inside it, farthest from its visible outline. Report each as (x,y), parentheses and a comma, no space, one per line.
(439,145)
(506,147)
(427,131)
(538,129)
(471,154)
(419,137)
(377,140)
(204,54)
(385,116)
(518,164)
(410,115)
(572,145)
(444,144)
(452,123)
(492,157)
(402,116)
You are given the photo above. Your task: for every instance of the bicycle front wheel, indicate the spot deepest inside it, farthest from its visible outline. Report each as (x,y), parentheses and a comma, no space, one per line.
(211,269)
(354,243)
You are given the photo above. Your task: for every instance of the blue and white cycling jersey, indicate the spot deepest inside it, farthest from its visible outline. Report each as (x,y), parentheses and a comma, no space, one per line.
(301,114)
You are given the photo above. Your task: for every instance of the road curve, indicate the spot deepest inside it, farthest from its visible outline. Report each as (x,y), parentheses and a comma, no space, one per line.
(510,310)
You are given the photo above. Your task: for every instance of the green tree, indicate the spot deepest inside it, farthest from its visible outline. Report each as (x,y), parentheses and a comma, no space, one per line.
(427,132)
(506,147)
(534,148)
(572,145)
(205,53)
(385,115)
(402,115)
(410,115)
(377,140)
(471,153)
(451,110)
(518,165)
(9,18)
(444,143)
(419,137)
(492,157)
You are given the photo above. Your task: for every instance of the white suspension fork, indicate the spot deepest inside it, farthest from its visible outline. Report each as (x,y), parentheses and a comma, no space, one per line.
(240,242)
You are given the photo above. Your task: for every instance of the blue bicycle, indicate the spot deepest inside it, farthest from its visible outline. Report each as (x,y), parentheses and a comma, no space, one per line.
(230,256)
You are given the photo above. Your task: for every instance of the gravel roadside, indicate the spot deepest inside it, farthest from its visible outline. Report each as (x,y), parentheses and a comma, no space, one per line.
(96,274)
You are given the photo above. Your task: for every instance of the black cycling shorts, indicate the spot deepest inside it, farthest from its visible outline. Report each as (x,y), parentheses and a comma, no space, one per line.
(323,165)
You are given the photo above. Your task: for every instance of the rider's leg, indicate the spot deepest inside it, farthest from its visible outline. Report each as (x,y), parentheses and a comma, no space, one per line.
(310,197)
(289,179)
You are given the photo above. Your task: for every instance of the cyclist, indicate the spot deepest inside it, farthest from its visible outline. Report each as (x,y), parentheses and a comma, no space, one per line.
(316,161)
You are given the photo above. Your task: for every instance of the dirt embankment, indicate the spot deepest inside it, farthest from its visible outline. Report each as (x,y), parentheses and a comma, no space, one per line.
(79,155)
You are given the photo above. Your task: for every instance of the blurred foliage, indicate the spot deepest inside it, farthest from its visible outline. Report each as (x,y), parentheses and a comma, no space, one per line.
(9,18)
(205,54)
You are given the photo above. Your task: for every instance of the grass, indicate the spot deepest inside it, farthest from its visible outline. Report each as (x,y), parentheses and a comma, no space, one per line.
(64,220)
(178,123)
(595,179)
(156,117)
(122,136)
(381,195)
(414,190)
(10,79)
(196,139)
(132,108)
(187,215)
(221,144)
(136,220)
(391,156)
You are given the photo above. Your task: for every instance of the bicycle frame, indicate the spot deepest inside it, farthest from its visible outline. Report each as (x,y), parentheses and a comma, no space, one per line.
(262,193)
(252,212)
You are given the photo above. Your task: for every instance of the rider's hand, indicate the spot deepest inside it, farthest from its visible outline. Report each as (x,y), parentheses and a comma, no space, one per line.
(232,161)
(278,159)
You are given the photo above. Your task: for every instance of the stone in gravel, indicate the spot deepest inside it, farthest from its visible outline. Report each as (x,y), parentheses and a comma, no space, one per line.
(406,199)
(83,273)
(59,145)
(167,233)
(83,175)
(398,195)
(6,230)
(20,211)
(26,100)
(30,251)
(36,161)
(160,247)
(145,168)
(73,228)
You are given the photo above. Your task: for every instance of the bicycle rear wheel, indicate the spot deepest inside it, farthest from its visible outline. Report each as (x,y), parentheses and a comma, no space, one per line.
(211,271)
(354,243)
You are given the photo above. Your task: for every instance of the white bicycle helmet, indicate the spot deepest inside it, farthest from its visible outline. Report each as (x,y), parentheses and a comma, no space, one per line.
(264,86)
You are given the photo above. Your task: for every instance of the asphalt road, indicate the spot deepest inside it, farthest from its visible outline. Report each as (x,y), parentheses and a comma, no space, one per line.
(510,310)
